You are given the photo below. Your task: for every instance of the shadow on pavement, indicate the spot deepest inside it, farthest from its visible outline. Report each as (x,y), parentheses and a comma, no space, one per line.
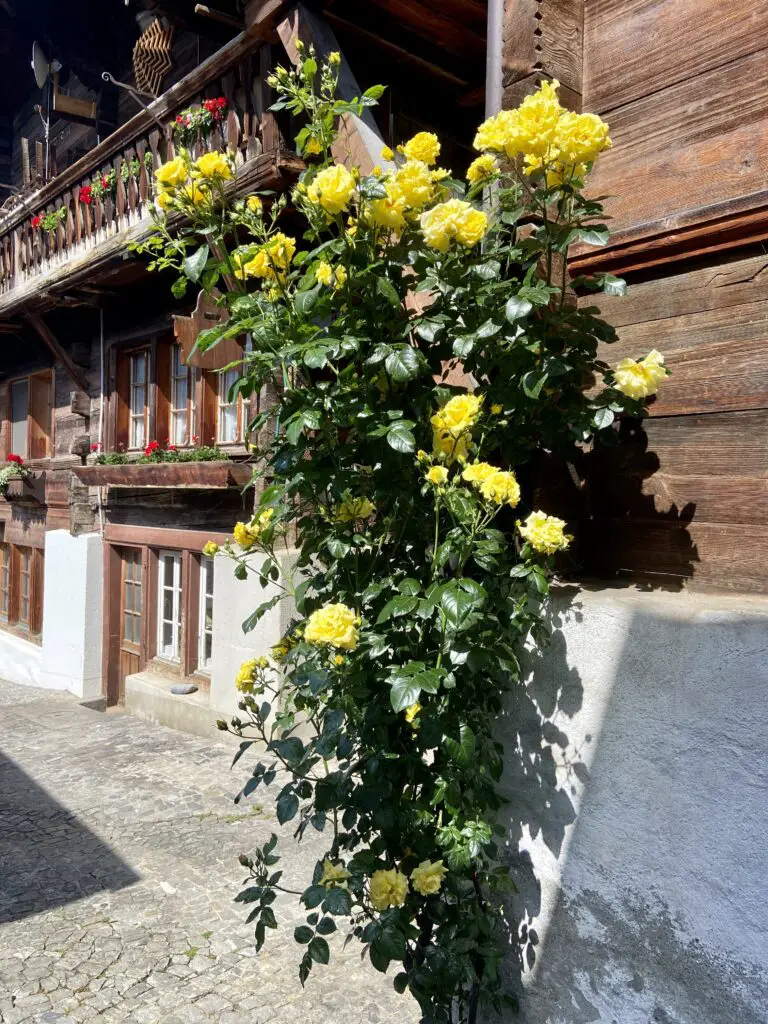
(47,856)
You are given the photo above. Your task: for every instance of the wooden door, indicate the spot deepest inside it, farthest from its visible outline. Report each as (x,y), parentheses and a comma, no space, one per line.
(131,613)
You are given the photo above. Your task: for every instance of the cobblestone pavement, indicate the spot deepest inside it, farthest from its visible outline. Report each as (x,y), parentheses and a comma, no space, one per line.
(118,865)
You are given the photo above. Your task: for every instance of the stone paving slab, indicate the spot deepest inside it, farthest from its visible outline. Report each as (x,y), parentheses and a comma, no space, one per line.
(118,866)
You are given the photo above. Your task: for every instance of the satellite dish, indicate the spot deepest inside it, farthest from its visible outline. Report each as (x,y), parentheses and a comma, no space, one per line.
(40,65)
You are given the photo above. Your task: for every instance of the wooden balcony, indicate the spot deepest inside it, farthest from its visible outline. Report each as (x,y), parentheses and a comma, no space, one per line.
(27,490)
(184,475)
(37,268)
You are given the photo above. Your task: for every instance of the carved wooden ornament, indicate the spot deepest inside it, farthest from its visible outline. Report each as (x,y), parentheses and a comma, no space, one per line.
(187,328)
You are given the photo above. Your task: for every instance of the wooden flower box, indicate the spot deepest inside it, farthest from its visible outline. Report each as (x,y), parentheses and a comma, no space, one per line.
(27,490)
(188,475)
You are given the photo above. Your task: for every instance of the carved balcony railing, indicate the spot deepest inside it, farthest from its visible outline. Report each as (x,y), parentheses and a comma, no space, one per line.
(31,257)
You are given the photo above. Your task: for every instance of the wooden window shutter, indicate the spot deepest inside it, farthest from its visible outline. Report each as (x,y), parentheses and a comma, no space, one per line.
(122,399)
(5,426)
(162,388)
(40,406)
(36,595)
(209,408)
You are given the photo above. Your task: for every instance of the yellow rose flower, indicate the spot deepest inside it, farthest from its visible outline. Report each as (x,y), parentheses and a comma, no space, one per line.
(437,475)
(270,261)
(501,488)
(255,204)
(332,188)
(640,379)
(413,182)
(333,874)
(164,200)
(412,713)
(340,275)
(194,194)
(334,58)
(493,133)
(428,877)
(423,146)
(265,518)
(387,154)
(354,508)
(312,147)
(544,533)
(421,455)
(453,220)
(210,548)
(245,679)
(497,409)
(476,472)
(387,213)
(458,414)
(531,129)
(581,137)
(212,165)
(333,624)
(172,173)
(246,535)
(482,169)
(440,174)
(338,660)
(388,889)
(324,273)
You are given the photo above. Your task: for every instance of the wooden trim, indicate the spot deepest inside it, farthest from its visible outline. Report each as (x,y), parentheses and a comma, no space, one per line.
(190,611)
(110,651)
(60,353)
(675,239)
(150,563)
(162,537)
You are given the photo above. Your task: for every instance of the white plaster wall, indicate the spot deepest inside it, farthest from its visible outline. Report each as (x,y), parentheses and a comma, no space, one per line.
(72,613)
(233,601)
(19,660)
(643,812)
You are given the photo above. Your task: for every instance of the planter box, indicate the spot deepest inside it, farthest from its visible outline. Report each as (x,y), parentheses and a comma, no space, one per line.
(28,490)
(190,475)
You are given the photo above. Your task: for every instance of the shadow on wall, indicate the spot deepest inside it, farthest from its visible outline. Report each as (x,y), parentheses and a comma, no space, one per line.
(651,907)
(47,857)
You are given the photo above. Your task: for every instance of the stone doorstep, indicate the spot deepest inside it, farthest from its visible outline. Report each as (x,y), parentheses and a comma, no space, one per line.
(148,696)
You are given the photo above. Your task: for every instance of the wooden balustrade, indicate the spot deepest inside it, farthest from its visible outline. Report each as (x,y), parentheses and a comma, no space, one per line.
(236,72)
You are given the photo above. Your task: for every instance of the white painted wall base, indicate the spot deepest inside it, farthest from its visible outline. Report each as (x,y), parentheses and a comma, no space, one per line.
(233,601)
(643,812)
(72,614)
(20,660)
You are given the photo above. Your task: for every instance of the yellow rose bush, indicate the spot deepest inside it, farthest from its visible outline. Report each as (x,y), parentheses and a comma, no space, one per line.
(423,566)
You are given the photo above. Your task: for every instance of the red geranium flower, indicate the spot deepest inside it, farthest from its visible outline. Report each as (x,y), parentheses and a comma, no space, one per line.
(104,182)
(171,448)
(86,195)
(151,448)
(95,446)
(36,221)
(16,458)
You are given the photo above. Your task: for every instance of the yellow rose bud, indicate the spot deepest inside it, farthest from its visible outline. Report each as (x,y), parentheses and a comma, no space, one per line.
(334,58)
(387,154)
(210,549)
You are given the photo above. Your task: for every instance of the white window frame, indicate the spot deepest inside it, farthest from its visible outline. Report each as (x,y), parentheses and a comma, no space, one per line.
(181,372)
(206,572)
(170,653)
(134,418)
(222,404)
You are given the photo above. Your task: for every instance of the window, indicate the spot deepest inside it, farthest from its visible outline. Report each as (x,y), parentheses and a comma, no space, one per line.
(182,391)
(228,431)
(5,581)
(138,401)
(28,406)
(205,633)
(21,588)
(132,596)
(169,603)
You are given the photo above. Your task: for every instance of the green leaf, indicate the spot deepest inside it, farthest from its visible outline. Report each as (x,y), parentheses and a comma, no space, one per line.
(401,981)
(403,363)
(428,330)
(595,235)
(287,807)
(319,951)
(305,300)
(194,265)
(179,287)
(462,347)
(405,691)
(533,382)
(517,308)
(603,418)
(316,357)
(400,437)
(327,926)
(614,285)
(313,896)
(391,943)
(303,935)
(397,606)
(375,92)
(337,902)
(463,749)
(387,291)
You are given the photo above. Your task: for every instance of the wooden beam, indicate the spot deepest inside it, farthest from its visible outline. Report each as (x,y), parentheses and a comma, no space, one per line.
(50,340)
(359,141)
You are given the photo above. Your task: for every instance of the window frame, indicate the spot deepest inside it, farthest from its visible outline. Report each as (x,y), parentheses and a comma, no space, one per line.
(143,416)
(22,570)
(46,379)
(189,409)
(176,621)
(207,569)
(222,392)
